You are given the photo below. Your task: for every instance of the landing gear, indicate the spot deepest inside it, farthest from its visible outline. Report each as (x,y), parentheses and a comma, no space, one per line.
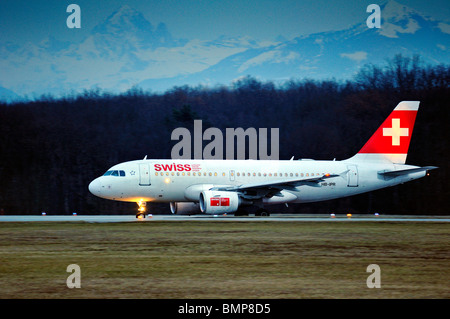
(262,212)
(141,210)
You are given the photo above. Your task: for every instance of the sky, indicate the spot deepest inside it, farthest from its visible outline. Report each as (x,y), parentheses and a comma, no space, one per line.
(23,20)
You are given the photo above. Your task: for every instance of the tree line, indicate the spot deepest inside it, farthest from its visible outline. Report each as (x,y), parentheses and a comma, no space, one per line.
(51,148)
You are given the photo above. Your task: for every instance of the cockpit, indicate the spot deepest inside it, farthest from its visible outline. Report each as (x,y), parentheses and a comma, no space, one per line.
(114,173)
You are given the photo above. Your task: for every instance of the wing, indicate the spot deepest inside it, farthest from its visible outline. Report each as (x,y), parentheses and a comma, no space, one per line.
(272,188)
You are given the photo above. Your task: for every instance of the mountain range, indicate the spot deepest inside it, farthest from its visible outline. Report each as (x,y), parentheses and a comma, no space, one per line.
(126,50)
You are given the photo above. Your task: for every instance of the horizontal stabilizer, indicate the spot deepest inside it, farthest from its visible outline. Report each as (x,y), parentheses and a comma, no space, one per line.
(407,171)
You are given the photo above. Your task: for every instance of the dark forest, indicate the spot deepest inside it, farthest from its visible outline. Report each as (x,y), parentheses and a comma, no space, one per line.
(51,148)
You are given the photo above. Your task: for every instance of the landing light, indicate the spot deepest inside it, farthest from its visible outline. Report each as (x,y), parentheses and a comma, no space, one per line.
(167,180)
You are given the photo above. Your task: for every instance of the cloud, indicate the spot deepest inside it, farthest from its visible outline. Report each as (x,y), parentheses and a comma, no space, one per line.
(444,27)
(357,56)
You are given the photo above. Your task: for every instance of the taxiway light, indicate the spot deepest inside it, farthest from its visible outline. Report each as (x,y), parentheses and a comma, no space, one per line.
(74,214)
(44,214)
(376,214)
(349,215)
(332,215)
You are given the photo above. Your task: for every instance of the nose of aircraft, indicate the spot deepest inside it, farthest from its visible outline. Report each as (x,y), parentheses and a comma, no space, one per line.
(94,187)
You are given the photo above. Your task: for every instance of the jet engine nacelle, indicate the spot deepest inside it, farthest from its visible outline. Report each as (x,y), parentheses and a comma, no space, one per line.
(216,202)
(184,208)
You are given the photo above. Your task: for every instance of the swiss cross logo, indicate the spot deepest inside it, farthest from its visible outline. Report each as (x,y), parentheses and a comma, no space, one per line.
(395,132)
(393,136)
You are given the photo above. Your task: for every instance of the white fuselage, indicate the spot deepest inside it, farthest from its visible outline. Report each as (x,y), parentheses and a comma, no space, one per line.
(184,180)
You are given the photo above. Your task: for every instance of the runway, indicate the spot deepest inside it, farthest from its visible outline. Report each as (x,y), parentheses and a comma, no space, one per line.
(231,218)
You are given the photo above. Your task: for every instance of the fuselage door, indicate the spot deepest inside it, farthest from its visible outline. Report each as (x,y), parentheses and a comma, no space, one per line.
(144,174)
(352,178)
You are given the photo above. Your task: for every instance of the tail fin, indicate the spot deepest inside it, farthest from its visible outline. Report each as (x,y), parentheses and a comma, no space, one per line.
(390,142)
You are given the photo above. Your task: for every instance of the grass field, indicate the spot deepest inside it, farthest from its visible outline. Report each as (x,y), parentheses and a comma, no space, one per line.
(212,259)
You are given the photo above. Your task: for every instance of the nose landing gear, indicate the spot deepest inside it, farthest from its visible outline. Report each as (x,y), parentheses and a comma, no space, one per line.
(141,210)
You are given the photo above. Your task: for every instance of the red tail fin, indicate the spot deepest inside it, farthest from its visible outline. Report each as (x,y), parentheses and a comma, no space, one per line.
(391,141)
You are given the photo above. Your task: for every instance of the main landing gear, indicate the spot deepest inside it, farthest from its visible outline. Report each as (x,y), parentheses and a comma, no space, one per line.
(141,210)
(262,212)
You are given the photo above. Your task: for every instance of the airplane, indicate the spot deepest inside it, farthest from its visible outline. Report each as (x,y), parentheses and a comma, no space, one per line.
(220,187)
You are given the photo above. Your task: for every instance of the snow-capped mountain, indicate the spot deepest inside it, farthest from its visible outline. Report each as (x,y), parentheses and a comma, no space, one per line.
(126,50)
(336,54)
(120,52)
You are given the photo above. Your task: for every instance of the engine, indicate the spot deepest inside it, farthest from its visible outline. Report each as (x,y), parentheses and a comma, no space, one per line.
(184,208)
(217,202)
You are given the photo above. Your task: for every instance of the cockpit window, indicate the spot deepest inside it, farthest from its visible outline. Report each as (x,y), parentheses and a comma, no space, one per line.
(114,173)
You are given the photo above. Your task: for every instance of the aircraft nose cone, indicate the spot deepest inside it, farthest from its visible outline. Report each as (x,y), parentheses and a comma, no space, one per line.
(94,187)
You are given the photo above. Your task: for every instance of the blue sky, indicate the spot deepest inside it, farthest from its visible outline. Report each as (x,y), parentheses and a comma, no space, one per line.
(24,20)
